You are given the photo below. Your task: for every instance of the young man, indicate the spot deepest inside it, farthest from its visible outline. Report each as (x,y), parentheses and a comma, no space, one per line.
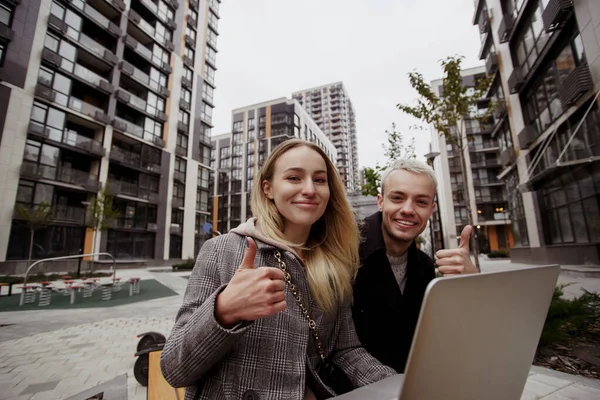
(394,274)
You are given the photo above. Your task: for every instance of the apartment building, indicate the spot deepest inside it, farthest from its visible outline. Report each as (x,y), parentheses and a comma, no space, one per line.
(331,108)
(106,96)
(487,194)
(545,57)
(237,156)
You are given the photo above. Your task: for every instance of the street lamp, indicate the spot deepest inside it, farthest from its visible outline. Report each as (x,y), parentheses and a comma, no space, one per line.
(85,204)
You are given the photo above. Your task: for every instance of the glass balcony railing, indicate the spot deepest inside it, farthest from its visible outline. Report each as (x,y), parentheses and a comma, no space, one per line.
(83,107)
(92,46)
(130,127)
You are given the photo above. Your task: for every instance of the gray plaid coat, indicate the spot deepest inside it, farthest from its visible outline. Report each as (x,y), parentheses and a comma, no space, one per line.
(270,358)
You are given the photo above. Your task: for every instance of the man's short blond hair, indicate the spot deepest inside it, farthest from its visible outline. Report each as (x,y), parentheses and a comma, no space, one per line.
(411,165)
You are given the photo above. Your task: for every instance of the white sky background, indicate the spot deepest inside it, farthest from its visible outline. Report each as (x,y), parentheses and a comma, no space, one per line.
(271,48)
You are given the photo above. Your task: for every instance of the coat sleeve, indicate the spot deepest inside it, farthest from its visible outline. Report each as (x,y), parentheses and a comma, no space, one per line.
(198,341)
(349,355)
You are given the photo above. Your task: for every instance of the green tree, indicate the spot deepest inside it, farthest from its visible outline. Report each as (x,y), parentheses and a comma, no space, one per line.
(447,114)
(36,218)
(394,150)
(100,215)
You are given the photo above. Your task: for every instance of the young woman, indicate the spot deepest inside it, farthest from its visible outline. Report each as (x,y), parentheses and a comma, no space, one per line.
(243,329)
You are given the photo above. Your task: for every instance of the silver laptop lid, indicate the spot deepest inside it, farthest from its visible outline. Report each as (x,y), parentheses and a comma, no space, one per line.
(477,335)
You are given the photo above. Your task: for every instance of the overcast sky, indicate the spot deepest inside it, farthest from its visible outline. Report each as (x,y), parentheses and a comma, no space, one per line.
(271,48)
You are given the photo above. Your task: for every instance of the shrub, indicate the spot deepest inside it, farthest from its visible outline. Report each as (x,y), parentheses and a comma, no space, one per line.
(567,318)
(503,253)
(189,264)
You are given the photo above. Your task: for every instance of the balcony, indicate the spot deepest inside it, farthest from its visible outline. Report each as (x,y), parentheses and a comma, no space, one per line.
(578,83)
(487,145)
(195,4)
(494,198)
(184,105)
(139,104)
(78,71)
(95,16)
(515,81)
(183,128)
(177,202)
(133,160)
(179,176)
(145,32)
(186,83)
(142,78)
(214,6)
(487,163)
(491,63)
(527,136)
(490,181)
(188,61)
(181,151)
(64,174)
(73,103)
(506,26)
(146,53)
(555,13)
(190,41)
(69,138)
(83,41)
(191,21)
(62,213)
(478,7)
(153,8)
(117,188)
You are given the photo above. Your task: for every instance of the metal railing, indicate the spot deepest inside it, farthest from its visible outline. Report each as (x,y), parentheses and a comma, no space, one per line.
(114,267)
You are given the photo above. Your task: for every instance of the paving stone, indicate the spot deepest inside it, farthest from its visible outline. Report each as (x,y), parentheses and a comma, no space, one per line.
(40,387)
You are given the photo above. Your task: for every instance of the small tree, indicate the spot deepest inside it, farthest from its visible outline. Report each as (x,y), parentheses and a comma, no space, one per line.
(100,215)
(395,149)
(36,218)
(447,113)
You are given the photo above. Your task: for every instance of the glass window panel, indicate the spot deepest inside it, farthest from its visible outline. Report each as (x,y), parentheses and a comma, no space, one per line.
(25,193)
(32,151)
(578,49)
(62,84)
(43,193)
(565,224)
(73,20)
(579,224)
(49,155)
(51,42)
(57,10)
(565,63)
(554,227)
(591,212)
(56,118)
(38,113)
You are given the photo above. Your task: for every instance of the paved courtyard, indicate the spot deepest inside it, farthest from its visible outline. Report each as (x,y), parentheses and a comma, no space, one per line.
(54,354)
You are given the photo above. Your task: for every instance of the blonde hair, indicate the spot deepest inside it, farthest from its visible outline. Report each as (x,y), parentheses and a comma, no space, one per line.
(331,251)
(410,165)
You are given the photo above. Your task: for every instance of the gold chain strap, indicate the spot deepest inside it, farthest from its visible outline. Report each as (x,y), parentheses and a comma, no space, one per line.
(312,325)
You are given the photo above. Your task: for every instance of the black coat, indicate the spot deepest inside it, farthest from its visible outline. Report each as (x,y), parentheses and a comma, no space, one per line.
(386,318)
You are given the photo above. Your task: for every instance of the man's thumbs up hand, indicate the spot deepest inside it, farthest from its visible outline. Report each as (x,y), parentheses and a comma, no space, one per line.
(457,261)
(252,293)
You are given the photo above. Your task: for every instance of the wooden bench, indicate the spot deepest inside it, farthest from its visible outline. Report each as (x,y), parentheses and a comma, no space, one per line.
(158,387)
(9,284)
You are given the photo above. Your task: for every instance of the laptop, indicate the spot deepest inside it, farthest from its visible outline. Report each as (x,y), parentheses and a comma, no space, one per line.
(475,339)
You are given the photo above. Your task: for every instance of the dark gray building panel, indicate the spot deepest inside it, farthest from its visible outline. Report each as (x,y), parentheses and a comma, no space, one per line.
(161,218)
(4,98)
(18,51)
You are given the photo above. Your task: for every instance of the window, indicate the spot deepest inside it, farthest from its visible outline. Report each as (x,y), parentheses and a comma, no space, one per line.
(152,129)
(531,41)
(236,161)
(211,55)
(180,164)
(2,52)
(188,73)
(157,79)
(213,20)
(189,53)
(203,177)
(163,33)
(190,32)
(5,15)
(201,200)
(212,38)
(237,127)
(183,117)
(182,141)
(52,119)
(160,55)
(207,93)
(210,74)
(154,104)
(164,11)
(237,149)
(46,158)
(206,112)
(186,95)
(192,13)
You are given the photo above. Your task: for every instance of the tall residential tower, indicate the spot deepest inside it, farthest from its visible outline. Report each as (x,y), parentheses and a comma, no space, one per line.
(106,95)
(330,107)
